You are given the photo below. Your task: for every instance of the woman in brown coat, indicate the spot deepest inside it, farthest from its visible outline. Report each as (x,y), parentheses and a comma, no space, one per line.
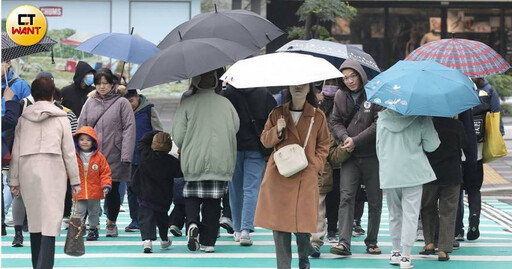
(43,158)
(290,204)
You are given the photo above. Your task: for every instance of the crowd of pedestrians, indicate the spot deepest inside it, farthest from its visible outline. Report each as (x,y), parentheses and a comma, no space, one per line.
(76,147)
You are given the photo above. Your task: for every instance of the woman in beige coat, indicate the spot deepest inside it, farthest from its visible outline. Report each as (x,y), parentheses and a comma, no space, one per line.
(43,157)
(290,204)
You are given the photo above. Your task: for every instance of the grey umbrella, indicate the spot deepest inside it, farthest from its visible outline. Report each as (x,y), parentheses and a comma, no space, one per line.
(11,50)
(241,26)
(186,59)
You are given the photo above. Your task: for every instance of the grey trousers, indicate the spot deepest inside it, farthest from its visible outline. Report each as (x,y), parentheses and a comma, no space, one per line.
(282,240)
(446,211)
(92,208)
(354,172)
(18,211)
(404,209)
(317,239)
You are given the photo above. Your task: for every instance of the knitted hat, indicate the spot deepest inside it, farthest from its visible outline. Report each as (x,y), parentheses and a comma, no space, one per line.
(161,142)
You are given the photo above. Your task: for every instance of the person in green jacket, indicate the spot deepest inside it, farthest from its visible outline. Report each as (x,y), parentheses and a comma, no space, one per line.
(204,129)
(401,145)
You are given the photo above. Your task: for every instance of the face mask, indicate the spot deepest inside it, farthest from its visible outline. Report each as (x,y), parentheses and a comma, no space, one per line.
(329,90)
(89,80)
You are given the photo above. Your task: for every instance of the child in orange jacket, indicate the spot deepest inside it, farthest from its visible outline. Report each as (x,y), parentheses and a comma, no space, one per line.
(95,178)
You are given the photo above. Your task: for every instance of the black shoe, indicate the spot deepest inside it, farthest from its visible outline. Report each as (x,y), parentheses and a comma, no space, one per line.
(92,235)
(473,232)
(304,264)
(4,231)
(18,239)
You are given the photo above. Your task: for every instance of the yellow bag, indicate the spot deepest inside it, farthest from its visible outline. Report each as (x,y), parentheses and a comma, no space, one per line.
(494,145)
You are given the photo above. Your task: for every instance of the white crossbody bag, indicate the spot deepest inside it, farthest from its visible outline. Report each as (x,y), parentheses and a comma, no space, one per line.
(291,159)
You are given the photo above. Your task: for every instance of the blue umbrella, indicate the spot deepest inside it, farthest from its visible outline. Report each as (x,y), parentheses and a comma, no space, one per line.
(125,47)
(423,88)
(335,53)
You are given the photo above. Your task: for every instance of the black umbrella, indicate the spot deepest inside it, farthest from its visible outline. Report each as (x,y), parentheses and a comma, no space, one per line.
(186,59)
(11,50)
(241,26)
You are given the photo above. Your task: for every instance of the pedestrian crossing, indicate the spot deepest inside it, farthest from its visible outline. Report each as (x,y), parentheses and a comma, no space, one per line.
(492,250)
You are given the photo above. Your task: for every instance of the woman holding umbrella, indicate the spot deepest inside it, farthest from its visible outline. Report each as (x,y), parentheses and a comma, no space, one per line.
(290,204)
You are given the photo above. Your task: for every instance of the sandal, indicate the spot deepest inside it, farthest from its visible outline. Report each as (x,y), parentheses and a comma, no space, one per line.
(341,249)
(428,250)
(443,256)
(373,249)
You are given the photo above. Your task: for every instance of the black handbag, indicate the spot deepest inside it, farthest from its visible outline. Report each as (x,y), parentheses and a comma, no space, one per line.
(74,245)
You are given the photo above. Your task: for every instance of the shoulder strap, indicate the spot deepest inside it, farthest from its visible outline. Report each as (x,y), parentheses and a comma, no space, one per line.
(310,126)
(10,83)
(357,106)
(95,122)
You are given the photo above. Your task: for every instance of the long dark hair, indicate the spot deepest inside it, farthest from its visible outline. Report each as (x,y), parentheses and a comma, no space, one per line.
(310,98)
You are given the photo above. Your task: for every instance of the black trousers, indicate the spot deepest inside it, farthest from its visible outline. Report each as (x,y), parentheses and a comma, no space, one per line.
(209,224)
(43,251)
(332,202)
(178,216)
(68,201)
(113,202)
(149,219)
(471,185)
(133,204)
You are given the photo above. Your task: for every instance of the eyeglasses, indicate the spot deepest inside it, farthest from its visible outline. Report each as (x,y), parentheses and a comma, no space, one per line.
(351,77)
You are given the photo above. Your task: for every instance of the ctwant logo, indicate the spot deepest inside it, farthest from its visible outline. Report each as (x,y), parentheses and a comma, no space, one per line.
(26,25)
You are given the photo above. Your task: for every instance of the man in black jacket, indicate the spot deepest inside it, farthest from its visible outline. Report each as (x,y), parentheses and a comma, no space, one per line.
(75,95)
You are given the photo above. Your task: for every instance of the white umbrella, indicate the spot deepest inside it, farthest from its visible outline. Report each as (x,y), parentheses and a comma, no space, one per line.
(279,69)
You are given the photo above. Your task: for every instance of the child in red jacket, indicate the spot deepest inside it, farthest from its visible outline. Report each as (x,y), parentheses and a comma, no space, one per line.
(95,178)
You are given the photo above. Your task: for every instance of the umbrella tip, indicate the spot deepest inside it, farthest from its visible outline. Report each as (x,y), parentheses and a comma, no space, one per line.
(179,33)
(215,6)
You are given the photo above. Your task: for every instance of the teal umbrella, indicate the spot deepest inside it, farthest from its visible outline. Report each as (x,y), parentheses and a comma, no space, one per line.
(423,88)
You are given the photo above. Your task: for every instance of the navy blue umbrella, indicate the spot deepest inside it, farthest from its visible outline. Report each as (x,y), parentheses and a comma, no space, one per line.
(125,47)
(335,53)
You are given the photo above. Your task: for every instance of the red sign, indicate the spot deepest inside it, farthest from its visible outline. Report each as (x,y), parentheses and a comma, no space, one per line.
(51,11)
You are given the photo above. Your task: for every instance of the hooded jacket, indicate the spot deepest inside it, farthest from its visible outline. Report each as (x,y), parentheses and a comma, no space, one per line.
(97,175)
(153,179)
(362,125)
(73,96)
(401,145)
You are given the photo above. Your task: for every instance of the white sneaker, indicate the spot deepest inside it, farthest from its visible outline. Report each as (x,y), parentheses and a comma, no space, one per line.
(227,224)
(209,249)
(419,235)
(237,235)
(245,238)
(165,244)
(406,263)
(148,246)
(395,257)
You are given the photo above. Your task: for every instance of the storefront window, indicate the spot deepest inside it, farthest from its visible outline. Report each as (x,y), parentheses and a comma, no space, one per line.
(366,31)
(410,28)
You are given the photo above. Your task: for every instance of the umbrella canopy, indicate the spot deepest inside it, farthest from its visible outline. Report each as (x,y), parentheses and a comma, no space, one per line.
(473,58)
(423,88)
(241,26)
(187,59)
(335,53)
(11,50)
(279,69)
(129,48)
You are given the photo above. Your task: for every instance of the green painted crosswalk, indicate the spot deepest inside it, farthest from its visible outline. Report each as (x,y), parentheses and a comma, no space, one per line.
(492,250)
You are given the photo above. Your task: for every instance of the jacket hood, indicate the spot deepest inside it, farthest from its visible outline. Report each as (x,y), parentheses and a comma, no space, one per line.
(88,130)
(82,68)
(353,64)
(143,102)
(42,110)
(394,121)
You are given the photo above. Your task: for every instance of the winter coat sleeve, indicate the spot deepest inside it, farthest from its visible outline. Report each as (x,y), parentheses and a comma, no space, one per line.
(322,144)
(105,173)
(236,119)
(155,120)
(83,120)
(179,126)
(69,154)
(12,113)
(337,119)
(128,127)
(269,137)
(15,159)
(368,135)
(429,137)
(336,155)
(144,145)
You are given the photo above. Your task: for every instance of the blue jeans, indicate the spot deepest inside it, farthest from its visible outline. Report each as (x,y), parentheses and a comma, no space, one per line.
(245,187)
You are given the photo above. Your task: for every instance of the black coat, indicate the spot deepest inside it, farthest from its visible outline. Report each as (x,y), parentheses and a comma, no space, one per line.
(154,178)
(259,103)
(73,96)
(446,159)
